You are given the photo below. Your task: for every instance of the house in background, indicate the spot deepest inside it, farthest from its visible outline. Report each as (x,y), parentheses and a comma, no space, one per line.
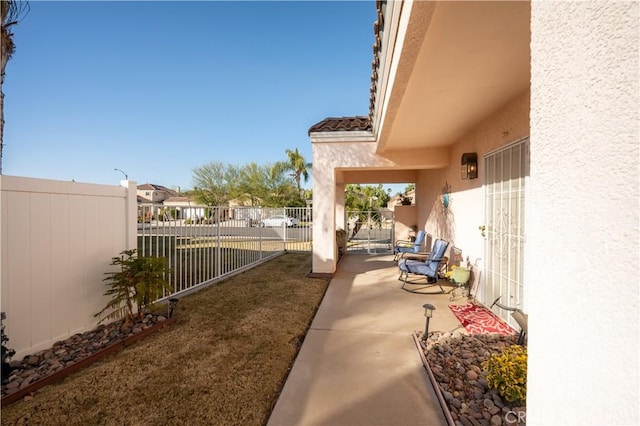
(405,199)
(185,208)
(518,124)
(168,204)
(151,193)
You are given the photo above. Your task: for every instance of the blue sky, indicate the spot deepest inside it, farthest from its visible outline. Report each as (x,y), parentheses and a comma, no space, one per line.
(159,88)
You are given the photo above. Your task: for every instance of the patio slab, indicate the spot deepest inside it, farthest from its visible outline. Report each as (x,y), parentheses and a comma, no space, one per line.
(358,364)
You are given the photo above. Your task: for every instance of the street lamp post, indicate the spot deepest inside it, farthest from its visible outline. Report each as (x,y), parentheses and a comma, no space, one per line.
(125,175)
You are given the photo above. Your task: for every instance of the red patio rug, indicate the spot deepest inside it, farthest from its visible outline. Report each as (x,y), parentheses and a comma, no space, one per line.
(479,320)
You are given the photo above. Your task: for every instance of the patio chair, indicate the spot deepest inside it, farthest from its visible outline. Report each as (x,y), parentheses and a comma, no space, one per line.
(407,246)
(430,268)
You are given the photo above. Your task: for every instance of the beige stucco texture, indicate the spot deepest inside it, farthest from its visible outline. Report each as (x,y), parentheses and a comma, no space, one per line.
(431,169)
(459,224)
(339,163)
(582,227)
(575,104)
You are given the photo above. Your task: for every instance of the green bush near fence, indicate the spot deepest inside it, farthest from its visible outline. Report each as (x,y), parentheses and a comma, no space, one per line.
(133,289)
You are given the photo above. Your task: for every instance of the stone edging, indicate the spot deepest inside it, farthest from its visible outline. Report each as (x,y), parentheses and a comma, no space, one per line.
(66,371)
(443,404)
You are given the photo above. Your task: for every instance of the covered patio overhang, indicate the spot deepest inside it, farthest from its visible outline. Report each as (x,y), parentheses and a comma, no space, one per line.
(559,79)
(452,66)
(441,70)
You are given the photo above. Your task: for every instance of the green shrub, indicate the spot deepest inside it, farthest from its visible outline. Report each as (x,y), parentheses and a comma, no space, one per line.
(507,372)
(133,289)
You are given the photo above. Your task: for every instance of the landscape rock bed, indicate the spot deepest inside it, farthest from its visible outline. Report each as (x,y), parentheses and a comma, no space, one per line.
(64,354)
(455,360)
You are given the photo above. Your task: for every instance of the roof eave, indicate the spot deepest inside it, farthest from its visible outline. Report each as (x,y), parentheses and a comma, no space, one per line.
(342,136)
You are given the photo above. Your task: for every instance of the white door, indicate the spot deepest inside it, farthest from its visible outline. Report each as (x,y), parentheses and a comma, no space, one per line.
(506,173)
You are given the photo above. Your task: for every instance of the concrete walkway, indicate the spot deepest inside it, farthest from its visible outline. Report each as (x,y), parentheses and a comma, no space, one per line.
(358,364)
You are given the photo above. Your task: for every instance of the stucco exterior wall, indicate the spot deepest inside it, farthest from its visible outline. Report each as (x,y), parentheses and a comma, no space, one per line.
(329,159)
(405,219)
(582,254)
(459,225)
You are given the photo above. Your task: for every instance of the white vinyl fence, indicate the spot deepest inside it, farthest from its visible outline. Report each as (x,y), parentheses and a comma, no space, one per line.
(57,241)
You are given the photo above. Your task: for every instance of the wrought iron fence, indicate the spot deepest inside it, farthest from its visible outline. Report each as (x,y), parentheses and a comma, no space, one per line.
(369,231)
(205,244)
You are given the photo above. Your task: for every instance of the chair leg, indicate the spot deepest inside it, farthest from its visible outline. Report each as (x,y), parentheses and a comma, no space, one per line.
(421,290)
(440,285)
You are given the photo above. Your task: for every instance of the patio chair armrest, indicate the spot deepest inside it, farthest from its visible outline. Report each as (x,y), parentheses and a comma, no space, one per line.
(404,241)
(421,255)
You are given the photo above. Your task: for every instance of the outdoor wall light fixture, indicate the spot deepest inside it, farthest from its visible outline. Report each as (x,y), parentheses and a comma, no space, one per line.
(172,305)
(428,313)
(469,165)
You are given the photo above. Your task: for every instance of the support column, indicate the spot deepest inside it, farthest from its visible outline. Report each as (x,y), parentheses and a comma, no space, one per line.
(324,225)
(340,209)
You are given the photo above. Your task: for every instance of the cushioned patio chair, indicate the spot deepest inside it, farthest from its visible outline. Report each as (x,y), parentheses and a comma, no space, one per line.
(407,246)
(430,267)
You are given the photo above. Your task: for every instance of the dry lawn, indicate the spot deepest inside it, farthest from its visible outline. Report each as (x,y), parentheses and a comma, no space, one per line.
(223,362)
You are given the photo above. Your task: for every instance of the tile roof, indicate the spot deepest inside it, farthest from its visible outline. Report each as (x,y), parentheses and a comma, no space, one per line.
(154,187)
(341,124)
(146,186)
(333,124)
(179,199)
(378,26)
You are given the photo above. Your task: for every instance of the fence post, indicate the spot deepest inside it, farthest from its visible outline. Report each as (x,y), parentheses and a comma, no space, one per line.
(218,243)
(284,233)
(131,215)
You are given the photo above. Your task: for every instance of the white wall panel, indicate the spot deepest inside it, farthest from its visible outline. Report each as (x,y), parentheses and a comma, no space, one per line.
(61,277)
(91,251)
(40,265)
(19,314)
(57,242)
(76,259)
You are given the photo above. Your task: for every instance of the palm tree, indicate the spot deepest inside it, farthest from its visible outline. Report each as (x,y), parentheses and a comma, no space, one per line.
(10,12)
(298,166)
